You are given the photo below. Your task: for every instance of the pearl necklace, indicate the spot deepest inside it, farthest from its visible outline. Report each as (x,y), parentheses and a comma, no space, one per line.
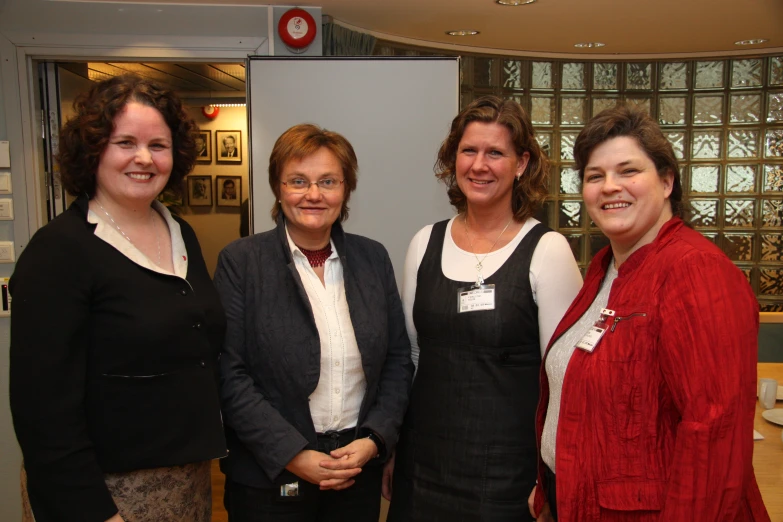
(154,226)
(479,264)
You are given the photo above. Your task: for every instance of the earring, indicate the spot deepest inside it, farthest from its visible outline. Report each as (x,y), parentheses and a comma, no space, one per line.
(519,175)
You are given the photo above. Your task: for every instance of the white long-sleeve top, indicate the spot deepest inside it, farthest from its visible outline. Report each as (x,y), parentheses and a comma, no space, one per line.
(554,276)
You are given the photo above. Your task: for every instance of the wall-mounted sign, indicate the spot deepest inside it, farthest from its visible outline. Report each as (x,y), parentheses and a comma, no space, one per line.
(297,29)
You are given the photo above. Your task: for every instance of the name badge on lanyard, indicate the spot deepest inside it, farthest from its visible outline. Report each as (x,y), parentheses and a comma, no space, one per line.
(476,298)
(593,336)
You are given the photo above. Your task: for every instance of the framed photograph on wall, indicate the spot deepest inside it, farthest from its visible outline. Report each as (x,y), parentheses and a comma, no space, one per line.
(228,145)
(228,190)
(199,191)
(204,146)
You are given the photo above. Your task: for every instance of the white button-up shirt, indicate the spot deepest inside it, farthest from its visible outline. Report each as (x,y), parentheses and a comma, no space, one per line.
(335,403)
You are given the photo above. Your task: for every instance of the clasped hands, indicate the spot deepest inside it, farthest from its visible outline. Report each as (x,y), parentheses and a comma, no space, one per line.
(335,470)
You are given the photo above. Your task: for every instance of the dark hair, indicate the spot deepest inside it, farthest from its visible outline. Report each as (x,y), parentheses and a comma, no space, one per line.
(84,137)
(635,123)
(306,139)
(530,190)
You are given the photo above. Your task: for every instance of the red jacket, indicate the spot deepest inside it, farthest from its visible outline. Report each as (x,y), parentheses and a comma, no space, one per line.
(656,423)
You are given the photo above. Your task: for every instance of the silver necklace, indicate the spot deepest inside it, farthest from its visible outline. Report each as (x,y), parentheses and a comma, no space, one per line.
(154,226)
(480,262)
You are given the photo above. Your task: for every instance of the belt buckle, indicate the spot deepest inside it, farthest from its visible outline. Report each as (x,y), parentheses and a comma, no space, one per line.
(334,441)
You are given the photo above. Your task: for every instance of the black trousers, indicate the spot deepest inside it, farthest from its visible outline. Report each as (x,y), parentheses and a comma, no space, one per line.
(358,503)
(551,491)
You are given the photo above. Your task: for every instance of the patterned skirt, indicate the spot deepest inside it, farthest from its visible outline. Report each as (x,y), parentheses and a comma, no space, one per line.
(176,494)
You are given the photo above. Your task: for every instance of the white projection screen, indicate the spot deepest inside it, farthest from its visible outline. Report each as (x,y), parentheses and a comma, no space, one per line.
(395,112)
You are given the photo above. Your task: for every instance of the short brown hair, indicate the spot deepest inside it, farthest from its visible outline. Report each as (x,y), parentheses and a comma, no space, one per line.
(635,123)
(306,139)
(84,137)
(530,191)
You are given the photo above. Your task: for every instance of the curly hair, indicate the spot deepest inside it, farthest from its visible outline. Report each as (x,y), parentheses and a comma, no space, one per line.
(635,123)
(85,136)
(306,139)
(530,189)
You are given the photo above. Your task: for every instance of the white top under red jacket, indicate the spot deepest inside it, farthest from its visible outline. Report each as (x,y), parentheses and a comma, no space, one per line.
(655,424)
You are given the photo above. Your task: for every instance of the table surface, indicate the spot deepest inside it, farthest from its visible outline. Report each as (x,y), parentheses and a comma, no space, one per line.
(768,453)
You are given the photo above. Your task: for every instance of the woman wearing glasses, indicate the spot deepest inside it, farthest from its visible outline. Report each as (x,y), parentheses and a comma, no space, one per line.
(483,293)
(316,367)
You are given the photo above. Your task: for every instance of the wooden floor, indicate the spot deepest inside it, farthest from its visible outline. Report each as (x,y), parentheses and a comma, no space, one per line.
(219,513)
(218,480)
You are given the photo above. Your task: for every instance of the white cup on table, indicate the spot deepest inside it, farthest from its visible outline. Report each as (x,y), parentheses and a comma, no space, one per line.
(768,392)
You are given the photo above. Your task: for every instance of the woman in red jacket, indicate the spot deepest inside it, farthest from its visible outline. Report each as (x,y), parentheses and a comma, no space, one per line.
(648,385)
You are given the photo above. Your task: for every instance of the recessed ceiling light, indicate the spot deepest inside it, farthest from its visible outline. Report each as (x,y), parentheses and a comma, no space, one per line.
(515,2)
(463,32)
(586,45)
(754,41)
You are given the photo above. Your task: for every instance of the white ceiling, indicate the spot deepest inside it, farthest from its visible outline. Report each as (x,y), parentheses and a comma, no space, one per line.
(627,27)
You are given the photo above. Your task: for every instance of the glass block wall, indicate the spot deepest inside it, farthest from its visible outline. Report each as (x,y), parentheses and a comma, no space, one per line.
(723,117)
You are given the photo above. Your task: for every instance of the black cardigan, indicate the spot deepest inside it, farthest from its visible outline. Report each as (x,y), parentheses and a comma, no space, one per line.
(272,355)
(113,366)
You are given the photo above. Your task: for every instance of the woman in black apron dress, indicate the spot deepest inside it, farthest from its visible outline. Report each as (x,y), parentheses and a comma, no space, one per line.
(482,294)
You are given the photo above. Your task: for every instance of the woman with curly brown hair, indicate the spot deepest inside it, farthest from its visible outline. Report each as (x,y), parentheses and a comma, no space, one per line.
(117,328)
(482,294)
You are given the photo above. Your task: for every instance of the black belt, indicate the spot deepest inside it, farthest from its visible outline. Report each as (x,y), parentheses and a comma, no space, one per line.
(331,440)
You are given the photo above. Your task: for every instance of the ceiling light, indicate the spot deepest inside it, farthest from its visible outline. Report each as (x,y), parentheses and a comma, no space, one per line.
(515,2)
(463,32)
(587,45)
(754,41)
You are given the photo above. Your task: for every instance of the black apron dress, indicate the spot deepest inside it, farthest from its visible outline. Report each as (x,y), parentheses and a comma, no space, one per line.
(467,450)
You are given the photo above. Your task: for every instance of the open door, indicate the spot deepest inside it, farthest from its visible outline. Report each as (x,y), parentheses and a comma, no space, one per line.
(50,126)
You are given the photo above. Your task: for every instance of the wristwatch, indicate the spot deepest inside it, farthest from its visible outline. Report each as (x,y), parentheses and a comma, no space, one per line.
(378,443)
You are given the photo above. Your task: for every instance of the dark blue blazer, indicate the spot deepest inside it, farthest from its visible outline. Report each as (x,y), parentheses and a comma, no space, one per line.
(272,354)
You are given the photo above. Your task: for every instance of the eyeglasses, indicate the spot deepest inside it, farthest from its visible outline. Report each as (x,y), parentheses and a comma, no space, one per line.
(301,185)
